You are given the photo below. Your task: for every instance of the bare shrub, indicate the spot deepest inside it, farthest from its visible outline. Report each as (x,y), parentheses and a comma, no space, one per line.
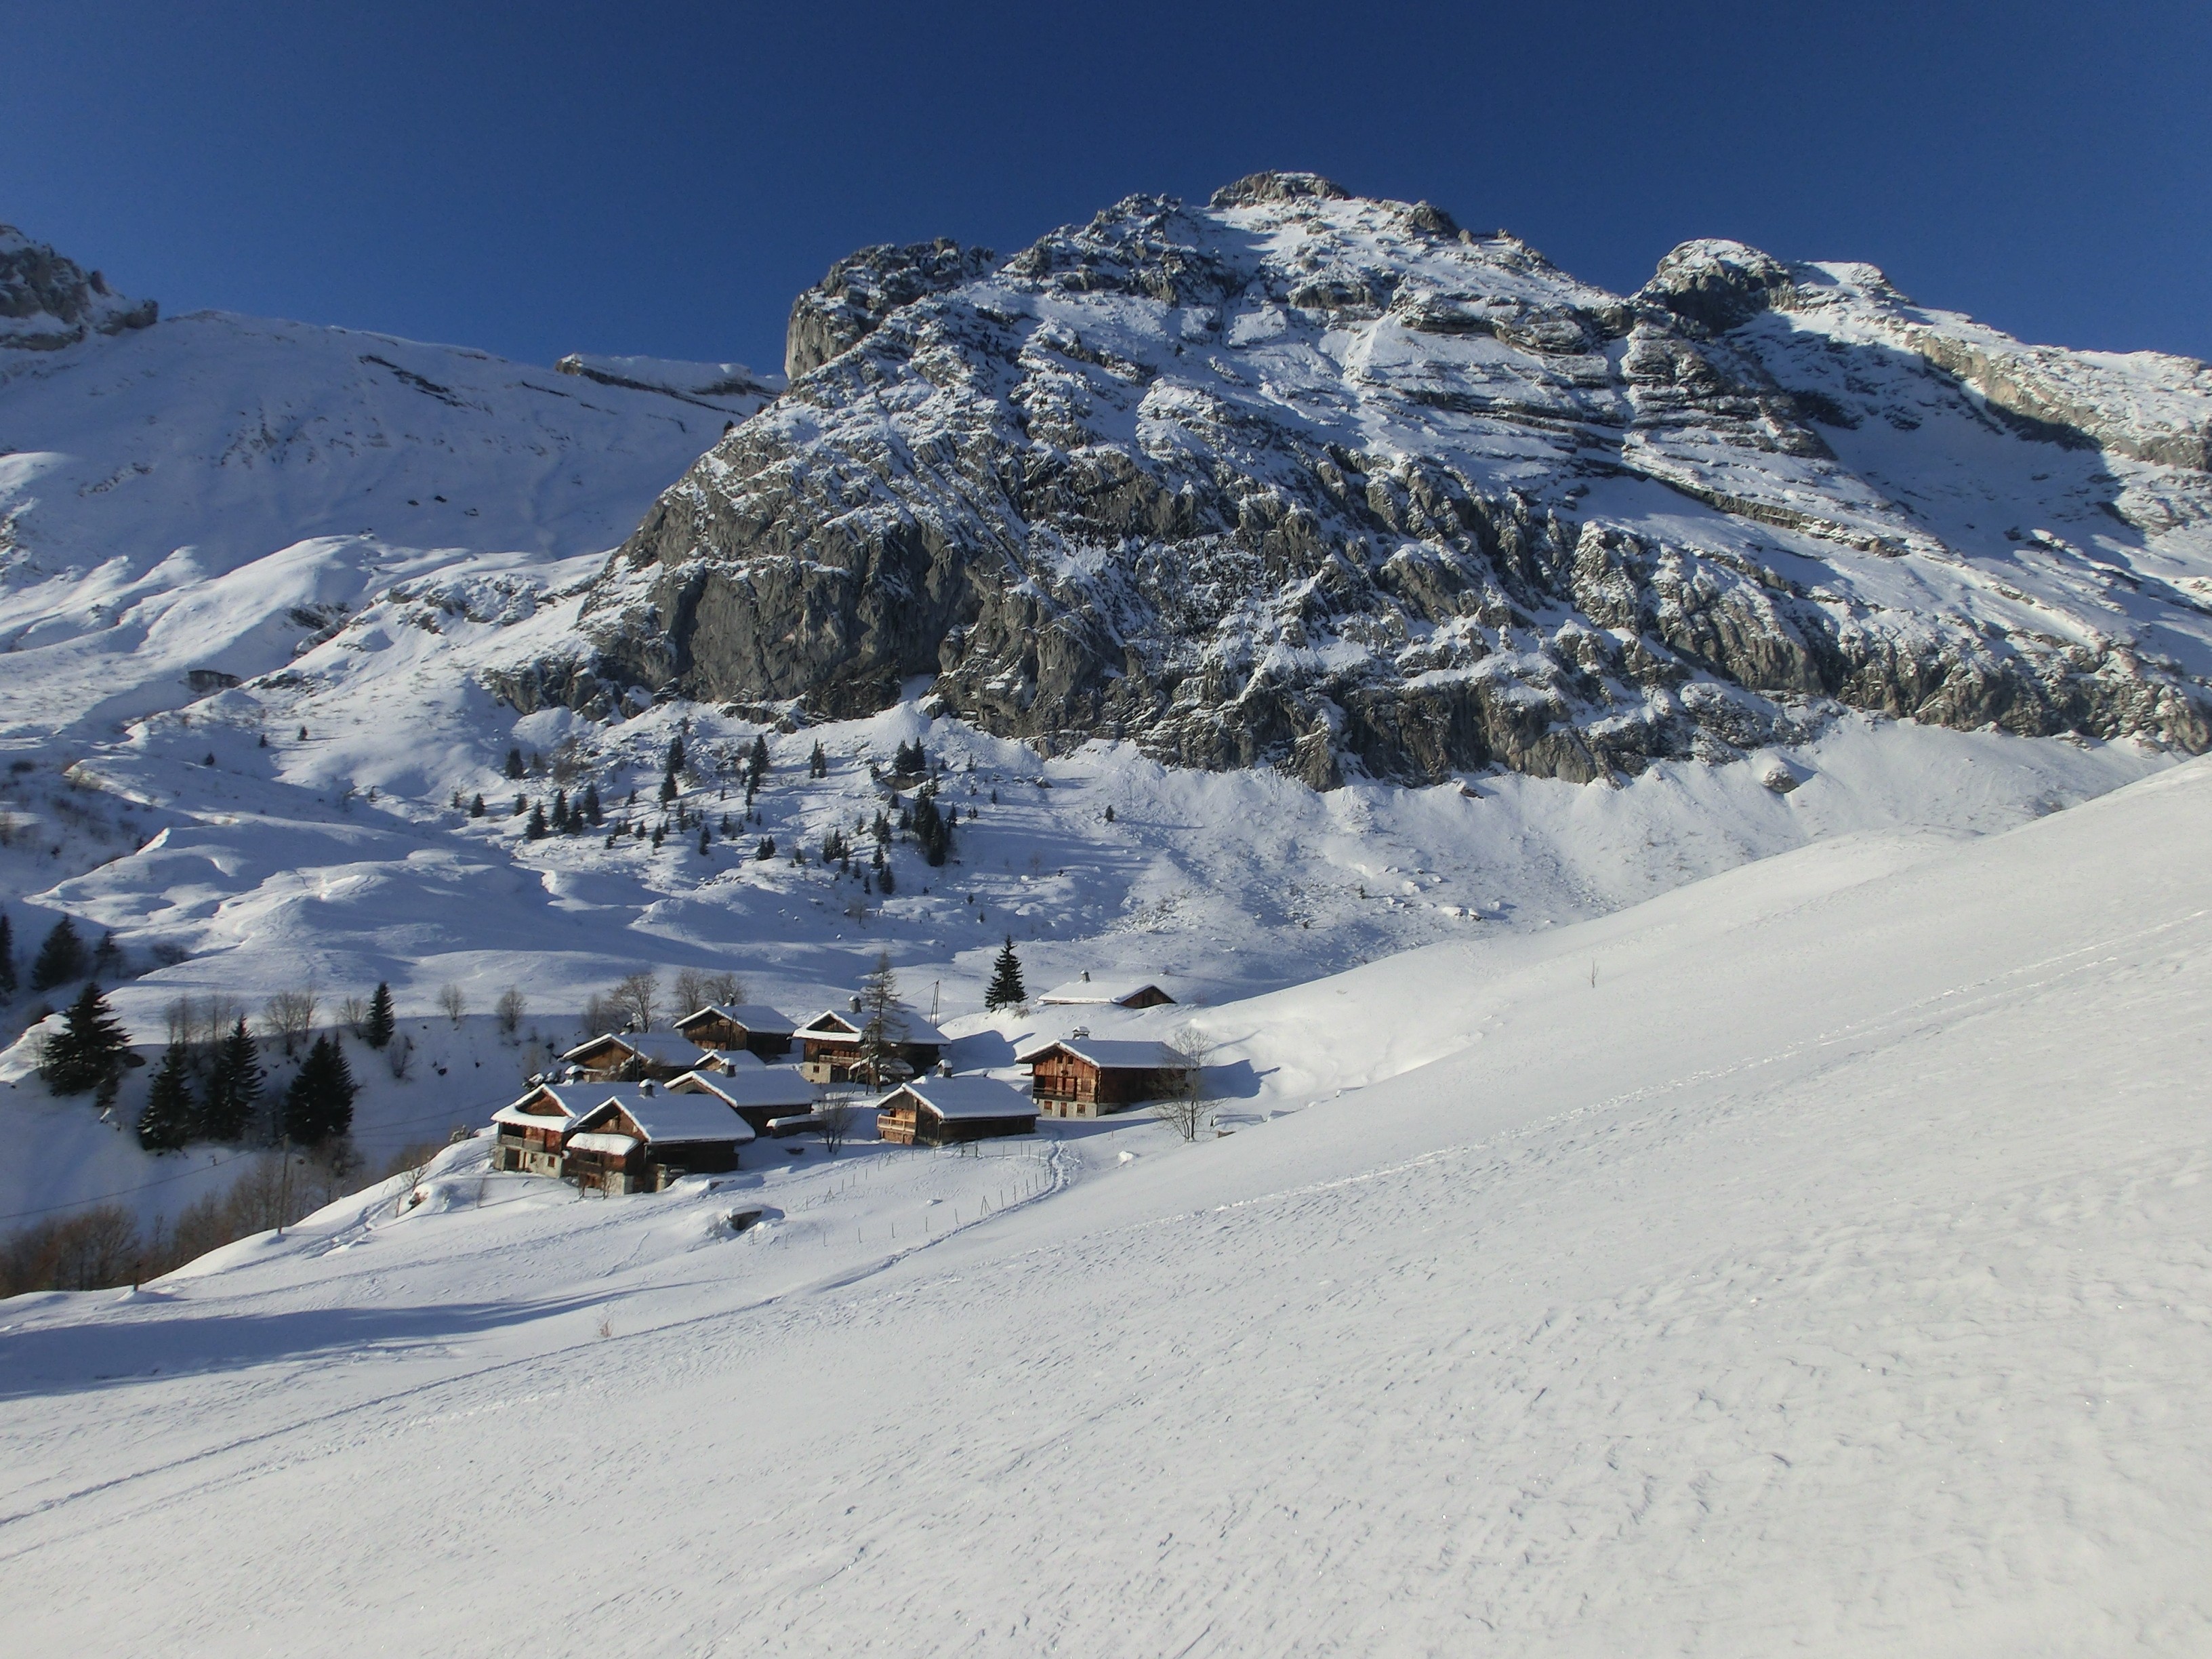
(638,995)
(835,1117)
(510,1008)
(354,1010)
(288,1017)
(601,1013)
(1188,1107)
(399,1054)
(452,1001)
(726,989)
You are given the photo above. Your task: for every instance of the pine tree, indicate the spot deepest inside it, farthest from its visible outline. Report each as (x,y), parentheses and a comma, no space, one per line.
(381,1021)
(535,830)
(7,957)
(60,959)
(757,763)
(1006,989)
(659,834)
(668,790)
(319,1105)
(234,1086)
(90,1048)
(521,805)
(591,808)
(766,850)
(705,839)
(107,954)
(930,829)
(514,763)
(817,763)
(561,810)
(167,1123)
(675,757)
(476,807)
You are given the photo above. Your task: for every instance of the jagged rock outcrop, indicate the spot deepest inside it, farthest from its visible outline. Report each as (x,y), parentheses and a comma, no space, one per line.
(47,301)
(1308,480)
(863,289)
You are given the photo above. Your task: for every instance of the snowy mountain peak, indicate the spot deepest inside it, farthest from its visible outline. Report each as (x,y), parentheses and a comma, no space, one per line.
(48,301)
(1310,479)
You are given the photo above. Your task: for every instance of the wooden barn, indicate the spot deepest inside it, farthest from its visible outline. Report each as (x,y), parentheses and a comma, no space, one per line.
(751,1026)
(938,1111)
(1082,1076)
(1108,992)
(829,1048)
(633,1056)
(650,1136)
(529,1132)
(757,1096)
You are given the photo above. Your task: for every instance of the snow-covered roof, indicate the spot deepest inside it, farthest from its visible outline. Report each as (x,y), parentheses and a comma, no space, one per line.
(612,1145)
(1112,1052)
(771,1085)
(968,1096)
(1088,990)
(754,1017)
(848,1026)
(668,1118)
(661,1048)
(574,1100)
(734,1060)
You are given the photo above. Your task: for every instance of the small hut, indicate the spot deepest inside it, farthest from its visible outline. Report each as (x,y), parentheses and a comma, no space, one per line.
(938,1111)
(752,1026)
(1108,992)
(1084,1076)
(650,1137)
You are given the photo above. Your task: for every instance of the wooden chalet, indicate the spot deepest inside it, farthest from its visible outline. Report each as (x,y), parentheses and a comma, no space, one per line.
(751,1026)
(1108,992)
(648,1136)
(830,1048)
(940,1111)
(528,1134)
(635,1056)
(1082,1076)
(758,1096)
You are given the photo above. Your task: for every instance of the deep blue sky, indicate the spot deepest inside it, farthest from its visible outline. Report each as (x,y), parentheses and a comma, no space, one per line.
(663,179)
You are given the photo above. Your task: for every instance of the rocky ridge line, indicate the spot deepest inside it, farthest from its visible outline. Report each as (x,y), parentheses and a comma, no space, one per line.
(1306,479)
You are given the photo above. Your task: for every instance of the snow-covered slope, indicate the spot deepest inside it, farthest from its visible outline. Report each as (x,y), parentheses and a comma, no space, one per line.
(209,492)
(1810,1259)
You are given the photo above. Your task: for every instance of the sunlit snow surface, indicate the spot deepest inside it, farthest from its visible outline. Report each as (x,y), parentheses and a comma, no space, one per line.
(1810,1259)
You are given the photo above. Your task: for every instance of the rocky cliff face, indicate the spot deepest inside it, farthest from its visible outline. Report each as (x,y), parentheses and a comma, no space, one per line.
(1306,479)
(47,301)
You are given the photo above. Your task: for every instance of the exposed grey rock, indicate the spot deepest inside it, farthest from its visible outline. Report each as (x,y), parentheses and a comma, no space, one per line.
(1304,480)
(862,289)
(47,301)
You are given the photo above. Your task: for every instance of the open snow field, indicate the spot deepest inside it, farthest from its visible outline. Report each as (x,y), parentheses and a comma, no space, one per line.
(1813,1258)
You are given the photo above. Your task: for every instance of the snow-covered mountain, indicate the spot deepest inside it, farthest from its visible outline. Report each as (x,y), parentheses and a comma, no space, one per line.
(1309,479)
(184,503)
(378,541)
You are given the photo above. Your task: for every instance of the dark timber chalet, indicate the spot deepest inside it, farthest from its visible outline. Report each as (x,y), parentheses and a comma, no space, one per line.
(529,1134)
(830,1048)
(1108,992)
(651,1136)
(749,1025)
(1084,1076)
(938,1111)
(758,1096)
(632,1056)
